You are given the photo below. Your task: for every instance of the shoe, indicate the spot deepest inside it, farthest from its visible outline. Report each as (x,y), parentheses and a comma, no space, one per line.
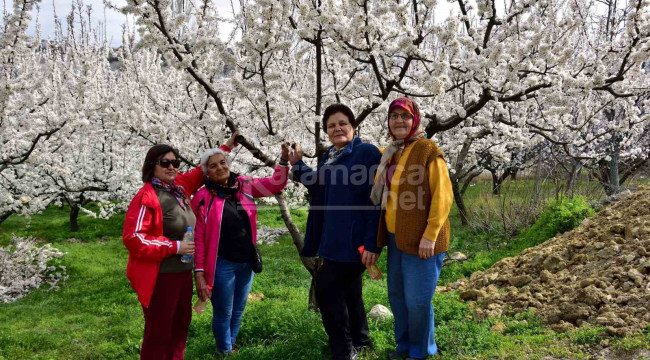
(352,356)
(395,355)
(360,348)
(436,356)
(223,355)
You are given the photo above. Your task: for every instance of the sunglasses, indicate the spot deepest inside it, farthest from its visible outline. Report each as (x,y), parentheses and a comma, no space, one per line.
(166,163)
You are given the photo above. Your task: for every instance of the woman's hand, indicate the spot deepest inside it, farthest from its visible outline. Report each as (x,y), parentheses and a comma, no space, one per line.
(187,248)
(426,248)
(232,143)
(285,151)
(296,154)
(201,287)
(369,258)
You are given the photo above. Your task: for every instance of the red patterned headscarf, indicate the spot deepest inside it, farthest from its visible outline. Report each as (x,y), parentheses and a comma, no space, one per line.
(379,193)
(412,108)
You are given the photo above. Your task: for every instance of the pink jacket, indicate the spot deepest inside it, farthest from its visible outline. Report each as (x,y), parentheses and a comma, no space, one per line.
(209,210)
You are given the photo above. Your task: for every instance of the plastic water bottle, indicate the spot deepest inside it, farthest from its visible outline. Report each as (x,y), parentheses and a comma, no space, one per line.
(373,270)
(189,236)
(200,305)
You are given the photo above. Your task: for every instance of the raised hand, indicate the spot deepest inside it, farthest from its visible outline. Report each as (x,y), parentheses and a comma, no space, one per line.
(232,142)
(296,154)
(285,151)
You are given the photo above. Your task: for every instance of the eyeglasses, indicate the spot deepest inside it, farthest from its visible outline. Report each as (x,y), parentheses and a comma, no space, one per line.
(166,163)
(394,116)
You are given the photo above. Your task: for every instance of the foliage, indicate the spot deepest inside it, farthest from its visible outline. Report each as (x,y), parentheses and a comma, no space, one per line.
(516,208)
(562,214)
(587,336)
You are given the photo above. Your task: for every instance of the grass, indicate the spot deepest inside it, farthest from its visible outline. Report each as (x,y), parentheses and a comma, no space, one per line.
(53,225)
(89,315)
(95,314)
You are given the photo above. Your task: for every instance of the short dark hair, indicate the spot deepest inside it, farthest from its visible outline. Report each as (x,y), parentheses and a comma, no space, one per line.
(156,152)
(339,108)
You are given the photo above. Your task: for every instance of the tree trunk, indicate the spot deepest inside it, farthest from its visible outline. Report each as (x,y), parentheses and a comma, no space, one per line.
(460,203)
(496,183)
(311,264)
(538,175)
(74,215)
(320,149)
(570,182)
(614,183)
(318,43)
(5,215)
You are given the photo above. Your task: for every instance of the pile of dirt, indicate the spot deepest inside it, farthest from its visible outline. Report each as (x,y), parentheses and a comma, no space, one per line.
(599,273)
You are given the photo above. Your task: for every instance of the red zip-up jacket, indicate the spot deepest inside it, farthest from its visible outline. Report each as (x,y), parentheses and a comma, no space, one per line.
(143,234)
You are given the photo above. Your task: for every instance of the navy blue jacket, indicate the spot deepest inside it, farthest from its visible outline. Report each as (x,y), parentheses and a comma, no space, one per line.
(341,215)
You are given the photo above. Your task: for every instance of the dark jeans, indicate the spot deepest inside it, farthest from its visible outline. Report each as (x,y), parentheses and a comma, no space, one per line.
(338,292)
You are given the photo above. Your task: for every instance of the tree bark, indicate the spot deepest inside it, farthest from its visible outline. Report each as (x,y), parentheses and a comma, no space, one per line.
(311,264)
(74,215)
(5,215)
(496,183)
(458,198)
(538,175)
(573,174)
(614,183)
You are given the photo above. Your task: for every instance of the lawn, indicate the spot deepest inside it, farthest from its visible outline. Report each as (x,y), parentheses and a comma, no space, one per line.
(95,314)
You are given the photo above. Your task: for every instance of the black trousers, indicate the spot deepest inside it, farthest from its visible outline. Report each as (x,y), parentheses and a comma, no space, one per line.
(338,292)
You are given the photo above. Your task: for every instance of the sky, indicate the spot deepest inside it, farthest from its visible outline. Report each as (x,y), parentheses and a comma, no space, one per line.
(109,19)
(112,21)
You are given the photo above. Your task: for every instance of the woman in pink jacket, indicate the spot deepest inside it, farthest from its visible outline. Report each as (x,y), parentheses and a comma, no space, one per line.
(226,234)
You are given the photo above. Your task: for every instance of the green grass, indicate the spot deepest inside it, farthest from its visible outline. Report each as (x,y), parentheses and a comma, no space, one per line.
(270,216)
(95,314)
(53,225)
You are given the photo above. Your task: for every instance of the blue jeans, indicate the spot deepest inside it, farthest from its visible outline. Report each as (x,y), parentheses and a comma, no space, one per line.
(411,284)
(232,283)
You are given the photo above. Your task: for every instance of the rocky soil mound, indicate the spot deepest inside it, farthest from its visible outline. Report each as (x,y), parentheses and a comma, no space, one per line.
(598,273)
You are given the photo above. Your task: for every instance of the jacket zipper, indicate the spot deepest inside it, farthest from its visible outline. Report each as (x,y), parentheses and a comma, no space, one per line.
(214,271)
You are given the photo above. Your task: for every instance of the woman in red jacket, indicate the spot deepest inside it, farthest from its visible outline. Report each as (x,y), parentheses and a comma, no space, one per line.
(154,225)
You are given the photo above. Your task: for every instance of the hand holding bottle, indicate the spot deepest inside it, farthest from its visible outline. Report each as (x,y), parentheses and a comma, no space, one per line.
(201,304)
(369,259)
(188,238)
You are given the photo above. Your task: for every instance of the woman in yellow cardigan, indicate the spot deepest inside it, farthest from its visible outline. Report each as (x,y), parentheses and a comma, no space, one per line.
(414,190)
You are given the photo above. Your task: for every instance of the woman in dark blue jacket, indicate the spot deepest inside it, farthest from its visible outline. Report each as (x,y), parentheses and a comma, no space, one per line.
(341,218)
